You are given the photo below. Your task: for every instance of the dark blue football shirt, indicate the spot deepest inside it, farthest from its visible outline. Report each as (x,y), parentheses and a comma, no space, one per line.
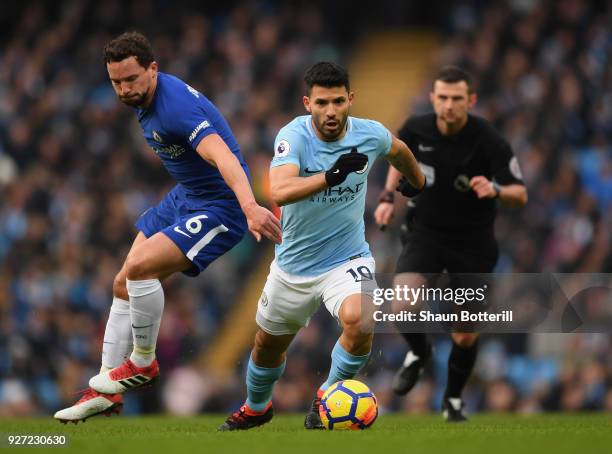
(177,120)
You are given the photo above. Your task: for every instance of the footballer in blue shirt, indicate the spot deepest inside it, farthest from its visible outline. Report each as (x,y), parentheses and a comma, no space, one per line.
(201,218)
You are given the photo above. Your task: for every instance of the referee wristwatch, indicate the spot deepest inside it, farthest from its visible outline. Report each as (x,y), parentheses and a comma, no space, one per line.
(497,187)
(386,197)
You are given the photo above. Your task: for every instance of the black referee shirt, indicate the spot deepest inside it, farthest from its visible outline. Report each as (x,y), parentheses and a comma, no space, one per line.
(448,205)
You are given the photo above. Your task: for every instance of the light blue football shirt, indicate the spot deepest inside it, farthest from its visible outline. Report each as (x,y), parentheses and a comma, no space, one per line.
(326,229)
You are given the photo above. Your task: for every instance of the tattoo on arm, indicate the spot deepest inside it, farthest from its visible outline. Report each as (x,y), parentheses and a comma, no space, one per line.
(405,166)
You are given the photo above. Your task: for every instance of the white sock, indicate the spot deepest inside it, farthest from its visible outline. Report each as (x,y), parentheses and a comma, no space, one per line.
(117,344)
(146,308)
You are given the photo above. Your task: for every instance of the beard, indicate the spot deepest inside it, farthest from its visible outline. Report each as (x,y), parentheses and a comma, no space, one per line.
(134,100)
(331,134)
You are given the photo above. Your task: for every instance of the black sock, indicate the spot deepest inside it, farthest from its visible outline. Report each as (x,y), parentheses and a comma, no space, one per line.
(460,364)
(418,343)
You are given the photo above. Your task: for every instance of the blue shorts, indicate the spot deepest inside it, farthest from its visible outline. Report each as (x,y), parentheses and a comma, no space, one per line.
(202,229)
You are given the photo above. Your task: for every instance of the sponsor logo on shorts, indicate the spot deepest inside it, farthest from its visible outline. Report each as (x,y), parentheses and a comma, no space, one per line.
(157,137)
(263,300)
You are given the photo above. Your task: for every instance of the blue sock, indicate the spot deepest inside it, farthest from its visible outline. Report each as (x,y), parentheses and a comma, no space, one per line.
(260,382)
(343,366)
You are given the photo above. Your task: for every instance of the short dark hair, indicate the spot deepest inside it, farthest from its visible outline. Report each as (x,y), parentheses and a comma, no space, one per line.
(326,74)
(129,44)
(451,74)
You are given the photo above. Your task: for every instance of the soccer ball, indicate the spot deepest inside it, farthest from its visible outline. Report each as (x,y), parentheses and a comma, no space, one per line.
(348,405)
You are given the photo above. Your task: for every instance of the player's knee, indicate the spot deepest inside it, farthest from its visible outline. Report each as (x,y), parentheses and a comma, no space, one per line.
(136,268)
(352,318)
(464,340)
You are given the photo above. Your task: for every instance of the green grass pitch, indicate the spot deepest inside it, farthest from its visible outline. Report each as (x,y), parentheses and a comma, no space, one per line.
(492,434)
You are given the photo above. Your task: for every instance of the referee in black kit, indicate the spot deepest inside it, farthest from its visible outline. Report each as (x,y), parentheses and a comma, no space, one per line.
(468,166)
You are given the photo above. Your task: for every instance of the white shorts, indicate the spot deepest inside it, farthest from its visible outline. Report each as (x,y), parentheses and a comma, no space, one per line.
(288,301)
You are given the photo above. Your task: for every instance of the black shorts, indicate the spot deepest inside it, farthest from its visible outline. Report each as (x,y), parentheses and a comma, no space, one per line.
(466,259)
(426,252)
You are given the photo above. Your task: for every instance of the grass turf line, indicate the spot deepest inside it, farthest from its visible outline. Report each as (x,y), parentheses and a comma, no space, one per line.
(491,434)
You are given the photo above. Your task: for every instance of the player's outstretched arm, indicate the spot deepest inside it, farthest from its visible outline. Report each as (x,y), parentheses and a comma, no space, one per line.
(260,220)
(287,186)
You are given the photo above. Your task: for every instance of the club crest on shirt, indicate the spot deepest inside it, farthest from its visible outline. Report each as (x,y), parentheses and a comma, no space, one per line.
(282,149)
(462,183)
(157,137)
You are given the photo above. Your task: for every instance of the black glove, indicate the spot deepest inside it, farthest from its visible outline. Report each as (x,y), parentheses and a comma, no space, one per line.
(346,163)
(407,189)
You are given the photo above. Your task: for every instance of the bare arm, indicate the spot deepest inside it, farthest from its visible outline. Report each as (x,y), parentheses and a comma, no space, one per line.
(393,177)
(261,221)
(287,186)
(404,163)
(512,195)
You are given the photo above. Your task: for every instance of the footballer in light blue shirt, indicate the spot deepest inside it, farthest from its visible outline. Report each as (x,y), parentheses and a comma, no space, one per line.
(325,228)
(319,177)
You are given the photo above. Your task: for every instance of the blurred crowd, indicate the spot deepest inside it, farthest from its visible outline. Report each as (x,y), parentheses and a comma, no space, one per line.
(75,173)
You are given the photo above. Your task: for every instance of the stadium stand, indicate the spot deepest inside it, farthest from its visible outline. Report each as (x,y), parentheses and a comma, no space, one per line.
(75,173)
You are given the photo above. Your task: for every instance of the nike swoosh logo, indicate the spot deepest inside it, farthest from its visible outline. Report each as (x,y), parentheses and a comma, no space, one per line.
(424,148)
(306,170)
(177,229)
(108,342)
(336,171)
(146,326)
